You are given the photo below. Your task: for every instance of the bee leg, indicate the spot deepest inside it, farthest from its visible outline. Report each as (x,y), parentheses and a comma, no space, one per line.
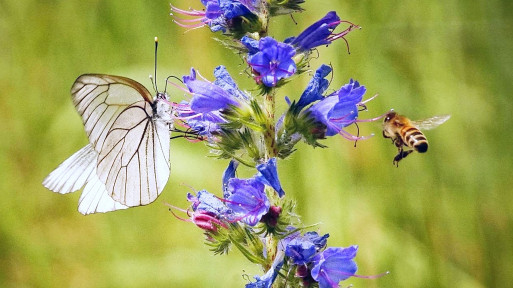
(398,143)
(401,155)
(385,135)
(398,157)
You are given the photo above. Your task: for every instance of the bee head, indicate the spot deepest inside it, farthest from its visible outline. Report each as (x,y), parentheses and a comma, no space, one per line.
(389,116)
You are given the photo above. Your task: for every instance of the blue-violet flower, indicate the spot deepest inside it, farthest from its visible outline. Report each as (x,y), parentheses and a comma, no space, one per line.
(334,265)
(340,109)
(247,198)
(320,33)
(217,14)
(272,62)
(316,87)
(207,96)
(268,174)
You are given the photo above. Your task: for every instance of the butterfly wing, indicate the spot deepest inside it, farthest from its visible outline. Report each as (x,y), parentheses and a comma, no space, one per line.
(430,123)
(133,148)
(99,99)
(72,174)
(77,171)
(95,198)
(134,158)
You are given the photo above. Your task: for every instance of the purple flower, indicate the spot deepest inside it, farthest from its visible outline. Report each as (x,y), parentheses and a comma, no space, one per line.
(218,14)
(301,250)
(228,174)
(319,241)
(273,61)
(320,33)
(236,8)
(268,174)
(316,87)
(340,109)
(209,212)
(247,198)
(268,278)
(225,81)
(203,124)
(207,96)
(212,10)
(208,202)
(334,265)
(203,113)
(251,44)
(292,233)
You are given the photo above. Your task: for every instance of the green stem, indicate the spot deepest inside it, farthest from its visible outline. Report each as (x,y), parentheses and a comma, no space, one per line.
(270,132)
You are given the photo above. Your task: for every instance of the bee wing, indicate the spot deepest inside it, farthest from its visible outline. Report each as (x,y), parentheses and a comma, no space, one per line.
(77,171)
(430,123)
(133,161)
(99,99)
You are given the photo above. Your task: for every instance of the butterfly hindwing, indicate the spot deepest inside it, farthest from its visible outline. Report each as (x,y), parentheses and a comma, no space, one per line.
(78,171)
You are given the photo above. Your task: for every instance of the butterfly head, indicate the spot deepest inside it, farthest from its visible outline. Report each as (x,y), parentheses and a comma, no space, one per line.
(162,109)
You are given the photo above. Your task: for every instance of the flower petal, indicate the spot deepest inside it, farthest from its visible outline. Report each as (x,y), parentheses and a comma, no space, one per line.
(268,174)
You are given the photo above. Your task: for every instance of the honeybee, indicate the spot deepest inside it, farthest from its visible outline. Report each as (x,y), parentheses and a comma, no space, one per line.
(406,133)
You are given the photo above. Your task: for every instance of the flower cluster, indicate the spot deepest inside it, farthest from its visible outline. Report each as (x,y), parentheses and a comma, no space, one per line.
(234,123)
(253,214)
(244,205)
(235,17)
(228,16)
(244,200)
(312,262)
(272,61)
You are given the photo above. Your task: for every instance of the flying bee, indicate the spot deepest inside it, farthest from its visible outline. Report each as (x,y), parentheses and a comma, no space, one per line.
(406,133)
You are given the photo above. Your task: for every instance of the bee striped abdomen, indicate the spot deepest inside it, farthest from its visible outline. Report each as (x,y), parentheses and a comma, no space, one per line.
(414,138)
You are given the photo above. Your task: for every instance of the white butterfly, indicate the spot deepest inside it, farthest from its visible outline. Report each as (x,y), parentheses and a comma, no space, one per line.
(126,162)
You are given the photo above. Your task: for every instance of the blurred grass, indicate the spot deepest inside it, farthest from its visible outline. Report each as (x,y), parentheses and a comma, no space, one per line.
(443,219)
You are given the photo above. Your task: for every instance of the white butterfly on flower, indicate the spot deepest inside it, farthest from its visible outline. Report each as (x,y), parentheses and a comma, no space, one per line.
(126,162)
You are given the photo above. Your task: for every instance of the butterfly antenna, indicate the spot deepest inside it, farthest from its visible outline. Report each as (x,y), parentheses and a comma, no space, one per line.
(167,79)
(156,47)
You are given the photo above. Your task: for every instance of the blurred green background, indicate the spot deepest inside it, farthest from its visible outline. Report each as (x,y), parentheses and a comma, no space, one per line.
(442,219)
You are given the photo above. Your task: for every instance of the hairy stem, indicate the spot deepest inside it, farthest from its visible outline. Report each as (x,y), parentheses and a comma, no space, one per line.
(270,132)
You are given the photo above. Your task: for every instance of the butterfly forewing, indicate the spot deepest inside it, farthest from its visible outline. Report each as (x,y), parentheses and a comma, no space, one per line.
(134,158)
(100,99)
